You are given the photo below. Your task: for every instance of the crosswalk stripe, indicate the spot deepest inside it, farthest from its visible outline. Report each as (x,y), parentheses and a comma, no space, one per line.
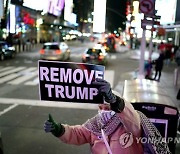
(24,78)
(6,68)
(9,77)
(33,83)
(28,70)
(109,76)
(113,57)
(12,71)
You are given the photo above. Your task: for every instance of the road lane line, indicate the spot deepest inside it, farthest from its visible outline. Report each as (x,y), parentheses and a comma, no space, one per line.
(109,76)
(113,57)
(76,55)
(8,109)
(33,83)
(28,70)
(23,78)
(87,106)
(6,68)
(12,71)
(9,77)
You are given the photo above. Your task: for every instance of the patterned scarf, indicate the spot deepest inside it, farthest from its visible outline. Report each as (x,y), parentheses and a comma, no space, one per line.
(158,145)
(95,125)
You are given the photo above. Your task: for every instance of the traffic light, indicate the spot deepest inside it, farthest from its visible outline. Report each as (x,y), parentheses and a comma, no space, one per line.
(128,8)
(17,2)
(3,23)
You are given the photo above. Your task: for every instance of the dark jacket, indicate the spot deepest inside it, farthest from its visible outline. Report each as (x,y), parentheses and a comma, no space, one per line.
(159,62)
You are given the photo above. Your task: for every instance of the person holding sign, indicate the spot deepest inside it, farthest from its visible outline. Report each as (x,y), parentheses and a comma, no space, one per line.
(116,129)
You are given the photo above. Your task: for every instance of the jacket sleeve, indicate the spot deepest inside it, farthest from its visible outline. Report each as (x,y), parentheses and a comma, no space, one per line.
(76,135)
(128,115)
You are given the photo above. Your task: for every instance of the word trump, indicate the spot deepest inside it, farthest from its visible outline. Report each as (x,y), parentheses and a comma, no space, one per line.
(69,84)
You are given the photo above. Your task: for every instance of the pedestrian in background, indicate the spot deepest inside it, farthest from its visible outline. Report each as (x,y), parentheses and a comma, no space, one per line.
(148,69)
(161,48)
(158,67)
(168,53)
(177,59)
(177,56)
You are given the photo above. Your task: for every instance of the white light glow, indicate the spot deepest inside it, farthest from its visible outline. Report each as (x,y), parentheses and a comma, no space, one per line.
(135,7)
(1,9)
(99,16)
(12,19)
(167,16)
(68,10)
(36,4)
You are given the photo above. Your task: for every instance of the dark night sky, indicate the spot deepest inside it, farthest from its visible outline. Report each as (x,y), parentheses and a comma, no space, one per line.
(115,14)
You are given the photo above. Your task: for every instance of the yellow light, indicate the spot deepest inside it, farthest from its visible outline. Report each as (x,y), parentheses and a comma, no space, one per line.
(136,7)
(39,22)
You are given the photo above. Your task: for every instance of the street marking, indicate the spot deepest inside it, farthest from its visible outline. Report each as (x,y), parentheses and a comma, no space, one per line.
(113,57)
(12,71)
(76,55)
(6,68)
(109,76)
(33,83)
(28,70)
(9,77)
(27,74)
(48,103)
(23,78)
(8,109)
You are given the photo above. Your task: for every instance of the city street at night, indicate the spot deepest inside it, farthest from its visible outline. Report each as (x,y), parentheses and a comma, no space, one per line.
(23,114)
(89,77)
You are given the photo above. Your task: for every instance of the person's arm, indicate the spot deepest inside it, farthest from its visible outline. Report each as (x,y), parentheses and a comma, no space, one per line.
(68,134)
(128,115)
(76,135)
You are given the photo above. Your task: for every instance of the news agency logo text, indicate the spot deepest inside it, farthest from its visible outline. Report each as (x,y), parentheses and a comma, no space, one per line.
(155,140)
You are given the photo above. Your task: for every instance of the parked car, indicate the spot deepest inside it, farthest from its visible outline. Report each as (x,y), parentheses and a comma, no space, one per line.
(6,50)
(55,51)
(96,55)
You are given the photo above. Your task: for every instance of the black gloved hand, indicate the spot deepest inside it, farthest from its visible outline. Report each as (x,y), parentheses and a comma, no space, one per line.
(51,126)
(105,90)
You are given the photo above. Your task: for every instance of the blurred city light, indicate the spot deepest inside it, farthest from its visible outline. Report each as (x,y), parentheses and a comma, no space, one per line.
(99,16)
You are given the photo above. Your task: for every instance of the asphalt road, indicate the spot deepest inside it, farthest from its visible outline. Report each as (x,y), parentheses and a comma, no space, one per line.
(22,115)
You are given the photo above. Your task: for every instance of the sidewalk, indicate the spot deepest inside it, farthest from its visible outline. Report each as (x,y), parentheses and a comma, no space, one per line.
(167,76)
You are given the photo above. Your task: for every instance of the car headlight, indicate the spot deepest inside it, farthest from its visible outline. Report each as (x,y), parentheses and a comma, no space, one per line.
(11,48)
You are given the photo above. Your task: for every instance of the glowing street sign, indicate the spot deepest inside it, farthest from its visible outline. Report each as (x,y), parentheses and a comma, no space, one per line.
(69,82)
(147,6)
(99,16)
(1,9)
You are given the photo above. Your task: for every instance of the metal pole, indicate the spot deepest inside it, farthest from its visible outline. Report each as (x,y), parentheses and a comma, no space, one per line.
(151,43)
(141,60)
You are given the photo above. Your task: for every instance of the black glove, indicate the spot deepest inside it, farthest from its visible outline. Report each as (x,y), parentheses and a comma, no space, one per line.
(51,126)
(105,90)
(117,104)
